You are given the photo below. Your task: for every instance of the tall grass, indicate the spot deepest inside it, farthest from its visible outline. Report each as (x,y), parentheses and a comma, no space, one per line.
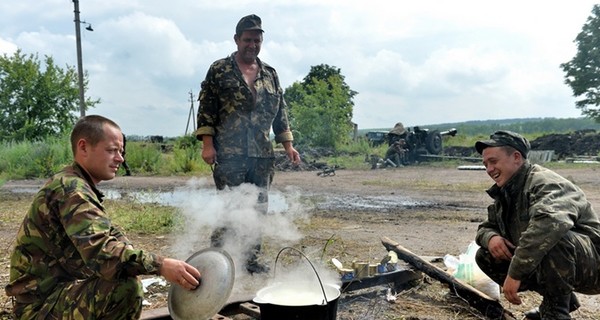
(33,159)
(38,159)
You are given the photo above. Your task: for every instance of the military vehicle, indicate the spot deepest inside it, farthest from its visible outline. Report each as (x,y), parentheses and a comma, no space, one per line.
(422,142)
(377,138)
(419,143)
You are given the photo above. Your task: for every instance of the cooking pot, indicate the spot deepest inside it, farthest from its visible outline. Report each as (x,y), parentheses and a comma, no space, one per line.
(298,300)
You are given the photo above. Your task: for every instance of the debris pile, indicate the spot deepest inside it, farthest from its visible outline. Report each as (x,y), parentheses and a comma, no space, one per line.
(582,143)
(578,143)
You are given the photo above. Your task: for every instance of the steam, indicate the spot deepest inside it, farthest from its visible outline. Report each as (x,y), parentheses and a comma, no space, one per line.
(206,209)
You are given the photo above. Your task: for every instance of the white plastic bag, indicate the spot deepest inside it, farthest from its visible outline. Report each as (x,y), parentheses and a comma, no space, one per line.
(466,269)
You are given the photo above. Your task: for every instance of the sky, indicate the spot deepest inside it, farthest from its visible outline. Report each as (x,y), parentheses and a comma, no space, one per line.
(415,62)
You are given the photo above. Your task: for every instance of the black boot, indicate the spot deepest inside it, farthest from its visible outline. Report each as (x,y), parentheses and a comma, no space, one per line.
(534,314)
(253,265)
(217,238)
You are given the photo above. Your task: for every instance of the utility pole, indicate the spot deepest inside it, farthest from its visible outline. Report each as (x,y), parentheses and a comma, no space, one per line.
(79,59)
(191,114)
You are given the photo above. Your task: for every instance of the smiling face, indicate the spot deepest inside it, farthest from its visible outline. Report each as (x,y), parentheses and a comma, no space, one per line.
(102,160)
(501,163)
(248,45)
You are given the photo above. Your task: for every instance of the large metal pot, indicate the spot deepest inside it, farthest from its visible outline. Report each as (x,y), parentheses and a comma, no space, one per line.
(295,301)
(298,300)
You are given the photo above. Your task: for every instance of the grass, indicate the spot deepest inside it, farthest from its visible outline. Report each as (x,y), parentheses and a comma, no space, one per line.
(144,218)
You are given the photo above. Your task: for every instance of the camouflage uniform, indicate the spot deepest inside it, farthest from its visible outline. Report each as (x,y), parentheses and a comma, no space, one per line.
(240,124)
(554,228)
(70,262)
(396,152)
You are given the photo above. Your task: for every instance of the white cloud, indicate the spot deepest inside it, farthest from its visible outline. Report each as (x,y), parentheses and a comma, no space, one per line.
(417,62)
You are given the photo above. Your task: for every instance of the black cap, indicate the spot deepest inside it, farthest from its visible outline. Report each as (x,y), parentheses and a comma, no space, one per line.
(505,138)
(251,22)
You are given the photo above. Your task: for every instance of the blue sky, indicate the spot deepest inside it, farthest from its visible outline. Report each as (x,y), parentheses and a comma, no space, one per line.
(418,62)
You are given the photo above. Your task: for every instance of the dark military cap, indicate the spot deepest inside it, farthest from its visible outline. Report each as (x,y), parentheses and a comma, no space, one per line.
(505,138)
(251,22)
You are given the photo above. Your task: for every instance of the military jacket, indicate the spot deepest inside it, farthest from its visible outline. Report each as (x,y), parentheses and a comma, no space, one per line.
(240,123)
(534,210)
(67,236)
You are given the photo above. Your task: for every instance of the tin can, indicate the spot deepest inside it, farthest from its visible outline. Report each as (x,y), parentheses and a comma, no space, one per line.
(373,269)
(361,270)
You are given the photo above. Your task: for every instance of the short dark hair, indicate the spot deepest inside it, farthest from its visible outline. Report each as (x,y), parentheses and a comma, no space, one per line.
(90,128)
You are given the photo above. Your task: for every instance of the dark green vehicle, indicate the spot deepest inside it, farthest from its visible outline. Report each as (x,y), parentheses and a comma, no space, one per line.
(418,141)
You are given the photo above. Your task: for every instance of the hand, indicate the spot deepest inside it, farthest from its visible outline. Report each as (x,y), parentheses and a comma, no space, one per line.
(209,154)
(510,288)
(292,154)
(500,248)
(180,272)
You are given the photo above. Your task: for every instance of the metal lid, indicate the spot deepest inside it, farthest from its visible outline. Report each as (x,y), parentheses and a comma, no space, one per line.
(218,274)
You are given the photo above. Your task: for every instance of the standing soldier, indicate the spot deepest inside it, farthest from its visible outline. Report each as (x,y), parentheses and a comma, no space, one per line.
(241,100)
(124,164)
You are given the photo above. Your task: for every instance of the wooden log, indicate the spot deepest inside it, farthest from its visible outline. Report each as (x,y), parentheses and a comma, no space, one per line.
(490,308)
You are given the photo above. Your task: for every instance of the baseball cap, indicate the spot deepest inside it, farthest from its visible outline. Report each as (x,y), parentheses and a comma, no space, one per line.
(505,138)
(250,22)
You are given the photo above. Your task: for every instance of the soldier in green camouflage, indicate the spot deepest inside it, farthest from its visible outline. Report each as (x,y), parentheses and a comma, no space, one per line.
(541,233)
(69,260)
(240,101)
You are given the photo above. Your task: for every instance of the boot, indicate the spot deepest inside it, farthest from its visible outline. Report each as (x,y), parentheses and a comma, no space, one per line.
(534,314)
(217,238)
(253,265)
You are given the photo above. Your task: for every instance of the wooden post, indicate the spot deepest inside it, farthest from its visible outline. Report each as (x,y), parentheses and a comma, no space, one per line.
(490,308)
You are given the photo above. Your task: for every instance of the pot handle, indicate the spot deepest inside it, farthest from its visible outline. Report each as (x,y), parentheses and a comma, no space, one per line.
(311,265)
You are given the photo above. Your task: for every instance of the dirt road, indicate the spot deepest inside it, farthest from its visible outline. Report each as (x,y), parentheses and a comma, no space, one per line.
(430,211)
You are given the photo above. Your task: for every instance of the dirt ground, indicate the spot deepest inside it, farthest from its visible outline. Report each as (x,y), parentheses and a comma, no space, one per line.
(431,211)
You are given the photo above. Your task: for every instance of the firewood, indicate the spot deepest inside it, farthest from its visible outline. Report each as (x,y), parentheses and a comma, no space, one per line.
(490,308)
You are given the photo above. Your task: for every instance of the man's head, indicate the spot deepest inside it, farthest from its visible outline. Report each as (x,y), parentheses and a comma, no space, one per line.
(248,38)
(503,154)
(97,144)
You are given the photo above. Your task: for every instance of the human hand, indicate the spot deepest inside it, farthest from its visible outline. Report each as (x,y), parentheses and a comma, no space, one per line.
(209,154)
(510,289)
(180,272)
(294,156)
(501,248)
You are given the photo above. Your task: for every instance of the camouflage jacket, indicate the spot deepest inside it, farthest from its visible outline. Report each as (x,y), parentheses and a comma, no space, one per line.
(534,210)
(240,126)
(67,236)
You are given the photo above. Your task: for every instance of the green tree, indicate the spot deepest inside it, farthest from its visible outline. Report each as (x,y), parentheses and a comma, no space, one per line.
(37,101)
(582,73)
(321,108)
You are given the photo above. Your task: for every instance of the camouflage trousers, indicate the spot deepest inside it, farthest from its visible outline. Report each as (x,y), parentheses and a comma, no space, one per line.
(84,300)
(233,171)
(572,265)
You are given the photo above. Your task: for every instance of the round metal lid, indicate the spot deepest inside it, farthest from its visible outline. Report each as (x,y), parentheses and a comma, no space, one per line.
(218,274)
